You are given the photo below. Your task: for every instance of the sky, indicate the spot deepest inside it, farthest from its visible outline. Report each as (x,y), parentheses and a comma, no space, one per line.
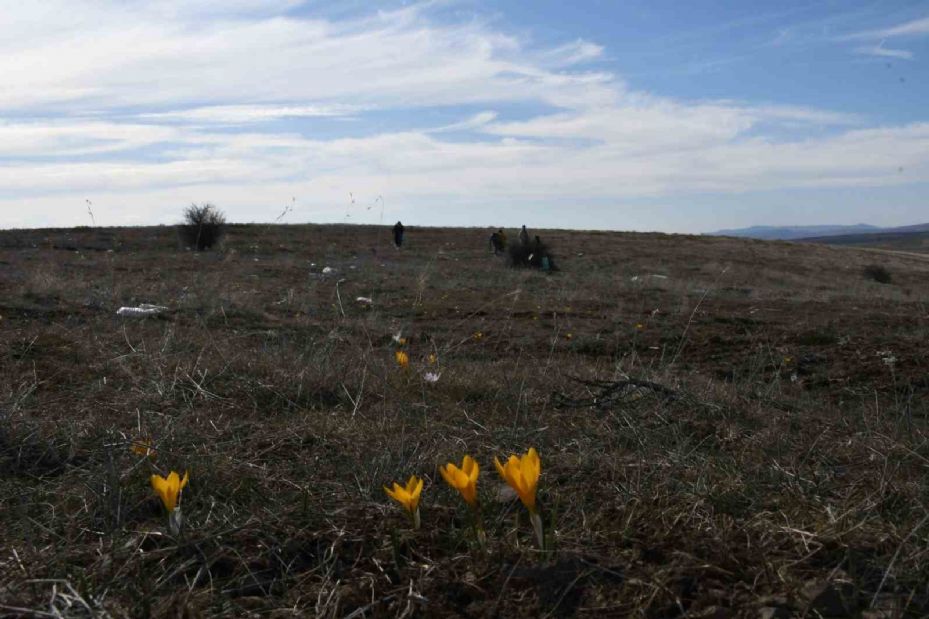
(635,115)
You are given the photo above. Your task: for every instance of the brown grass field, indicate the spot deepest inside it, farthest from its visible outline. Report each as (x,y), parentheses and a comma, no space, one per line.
(767,455)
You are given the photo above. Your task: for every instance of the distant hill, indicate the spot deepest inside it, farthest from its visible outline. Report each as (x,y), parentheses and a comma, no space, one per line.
(788,233)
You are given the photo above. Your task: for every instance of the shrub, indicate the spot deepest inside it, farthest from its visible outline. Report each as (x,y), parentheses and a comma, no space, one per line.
(204,225)
(877,273)
(530,255)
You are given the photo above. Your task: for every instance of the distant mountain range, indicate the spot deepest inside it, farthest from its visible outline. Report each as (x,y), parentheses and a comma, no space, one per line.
(790,233)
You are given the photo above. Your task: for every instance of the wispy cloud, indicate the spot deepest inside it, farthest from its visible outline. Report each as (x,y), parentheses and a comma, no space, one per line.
(884,52)
(476,121)
(572,53)
(245,114)
(131,55)
(915,27)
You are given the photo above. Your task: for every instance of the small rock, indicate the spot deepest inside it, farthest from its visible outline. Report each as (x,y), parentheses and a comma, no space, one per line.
(505,494)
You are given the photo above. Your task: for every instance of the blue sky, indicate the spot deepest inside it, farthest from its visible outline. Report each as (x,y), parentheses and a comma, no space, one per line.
(658,115)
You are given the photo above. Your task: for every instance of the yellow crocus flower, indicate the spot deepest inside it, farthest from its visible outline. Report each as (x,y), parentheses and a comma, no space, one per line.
(522,474)
(403,359)
(169,488)
(408,496)
(463,479)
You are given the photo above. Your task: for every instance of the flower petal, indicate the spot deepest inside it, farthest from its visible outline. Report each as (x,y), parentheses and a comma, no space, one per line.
(500,469)
(447,475)
(472,469)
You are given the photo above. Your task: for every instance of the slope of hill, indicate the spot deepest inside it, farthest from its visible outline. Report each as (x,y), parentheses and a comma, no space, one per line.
(786,233)
(727,427)
(912,238)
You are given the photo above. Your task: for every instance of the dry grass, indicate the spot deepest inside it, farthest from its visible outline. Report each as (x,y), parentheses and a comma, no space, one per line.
(788,475)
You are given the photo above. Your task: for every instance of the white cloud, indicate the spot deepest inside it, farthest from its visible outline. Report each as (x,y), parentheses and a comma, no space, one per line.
(417,168)
(645,123)
(65,137)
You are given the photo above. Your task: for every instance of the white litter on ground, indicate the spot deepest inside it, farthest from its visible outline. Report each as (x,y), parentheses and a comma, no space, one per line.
(145,309)
(431,377)
(365,300)
(636,278)
(328,270)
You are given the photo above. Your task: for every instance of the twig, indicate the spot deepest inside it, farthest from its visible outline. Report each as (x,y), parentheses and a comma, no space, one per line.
(339,297)
(607,393)
(690,320)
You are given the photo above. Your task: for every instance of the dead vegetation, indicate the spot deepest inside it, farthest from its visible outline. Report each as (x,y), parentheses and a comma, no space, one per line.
(727,428)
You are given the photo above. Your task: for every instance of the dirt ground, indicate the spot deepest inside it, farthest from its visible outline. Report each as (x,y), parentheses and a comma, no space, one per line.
(727,428)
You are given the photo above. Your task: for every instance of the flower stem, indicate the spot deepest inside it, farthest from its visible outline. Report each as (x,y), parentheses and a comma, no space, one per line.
(536,521)
(478,524)
(175,521)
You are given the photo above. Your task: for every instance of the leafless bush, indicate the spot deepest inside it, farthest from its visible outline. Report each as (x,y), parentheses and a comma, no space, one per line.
(204,226)
(877,273)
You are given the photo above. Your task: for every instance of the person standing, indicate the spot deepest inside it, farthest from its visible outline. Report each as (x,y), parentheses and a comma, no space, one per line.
(524,236)
(495,243)
(398,235)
